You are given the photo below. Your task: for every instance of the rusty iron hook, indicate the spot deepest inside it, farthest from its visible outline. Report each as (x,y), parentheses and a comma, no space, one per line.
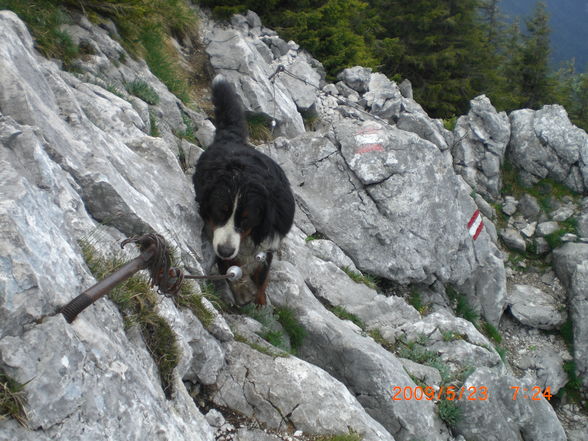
(156,258)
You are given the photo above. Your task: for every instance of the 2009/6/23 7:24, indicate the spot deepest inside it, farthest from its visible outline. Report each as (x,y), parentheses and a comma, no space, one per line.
(451,393)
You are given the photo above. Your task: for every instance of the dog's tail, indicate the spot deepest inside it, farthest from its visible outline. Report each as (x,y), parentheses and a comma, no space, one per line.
(229,114)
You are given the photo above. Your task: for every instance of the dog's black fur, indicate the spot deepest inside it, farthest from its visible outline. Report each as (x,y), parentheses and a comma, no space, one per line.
(238,185)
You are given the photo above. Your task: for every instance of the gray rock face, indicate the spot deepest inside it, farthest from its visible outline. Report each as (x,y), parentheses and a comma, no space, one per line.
(583,222)
(329,251)
(546,228)
(71,367)
(56,398)
(533,307)
(569,262)
(95,159)
(578,311)
(376,180)
(285,392)
(357,78)
(513,239)
(478,153)
(333,287)
(464,349)
(303,93)
(510,205)
(529,207)
(510,419)
(550,372)
(59,170)
(567,258)
(202,357)
(104,70)
(544,143)
(330,340)
(248,64)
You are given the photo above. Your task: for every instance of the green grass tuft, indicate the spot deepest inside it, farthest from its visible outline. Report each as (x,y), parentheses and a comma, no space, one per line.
(376,334)
(461,306)
(554,239)
(502,351)
(416,301)
(145,27)
(260,348)
(275,338)
(491,332)
(259,129)
(161,63)
(567,333)
(12,399)
(44,19)
(350,436)
(189,298)
(142,90)
(450,123)
(449,412)
(343,314)
(154,128)
(315,236)
(296,332)
(368,280)
(448,336)
(572,391)
(209,293)
(189,134)
(291,331)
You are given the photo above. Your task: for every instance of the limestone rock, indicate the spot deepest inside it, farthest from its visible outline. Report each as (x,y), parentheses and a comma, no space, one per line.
(529,207)
(578,312)
(481,139)
(237,55)
(566,258)
(374,183)
(510,205)
(356,77)
(547,228)
(535,308)
(329,251)
(544,143)
(456,341)
(330,339)
(284,391)
(502,417)
(513,239)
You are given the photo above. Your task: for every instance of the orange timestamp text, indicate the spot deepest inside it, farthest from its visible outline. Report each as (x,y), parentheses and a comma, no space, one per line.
(450,393)
(531,393)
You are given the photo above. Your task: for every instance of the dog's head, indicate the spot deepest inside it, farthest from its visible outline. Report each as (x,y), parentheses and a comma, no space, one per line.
(236,207)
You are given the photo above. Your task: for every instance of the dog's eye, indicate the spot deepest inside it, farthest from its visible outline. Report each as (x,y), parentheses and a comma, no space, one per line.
(221,212)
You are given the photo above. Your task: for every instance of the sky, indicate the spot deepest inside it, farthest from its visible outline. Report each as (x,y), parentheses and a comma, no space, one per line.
(568,23)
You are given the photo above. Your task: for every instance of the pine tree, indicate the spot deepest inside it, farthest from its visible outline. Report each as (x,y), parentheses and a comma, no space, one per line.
(572,92)
(537,85)
(494,23)
(439,46)
(332,31)
(509,95)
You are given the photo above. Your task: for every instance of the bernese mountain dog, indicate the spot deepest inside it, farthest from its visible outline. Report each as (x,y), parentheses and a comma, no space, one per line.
(244,197)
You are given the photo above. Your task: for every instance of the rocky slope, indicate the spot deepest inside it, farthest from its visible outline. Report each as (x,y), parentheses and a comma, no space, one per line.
(381,189)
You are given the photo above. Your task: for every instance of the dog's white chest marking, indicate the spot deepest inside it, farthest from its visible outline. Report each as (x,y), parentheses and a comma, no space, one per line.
(227,237)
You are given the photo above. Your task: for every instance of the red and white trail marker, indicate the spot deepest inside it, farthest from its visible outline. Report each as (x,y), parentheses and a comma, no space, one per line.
(475,225)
